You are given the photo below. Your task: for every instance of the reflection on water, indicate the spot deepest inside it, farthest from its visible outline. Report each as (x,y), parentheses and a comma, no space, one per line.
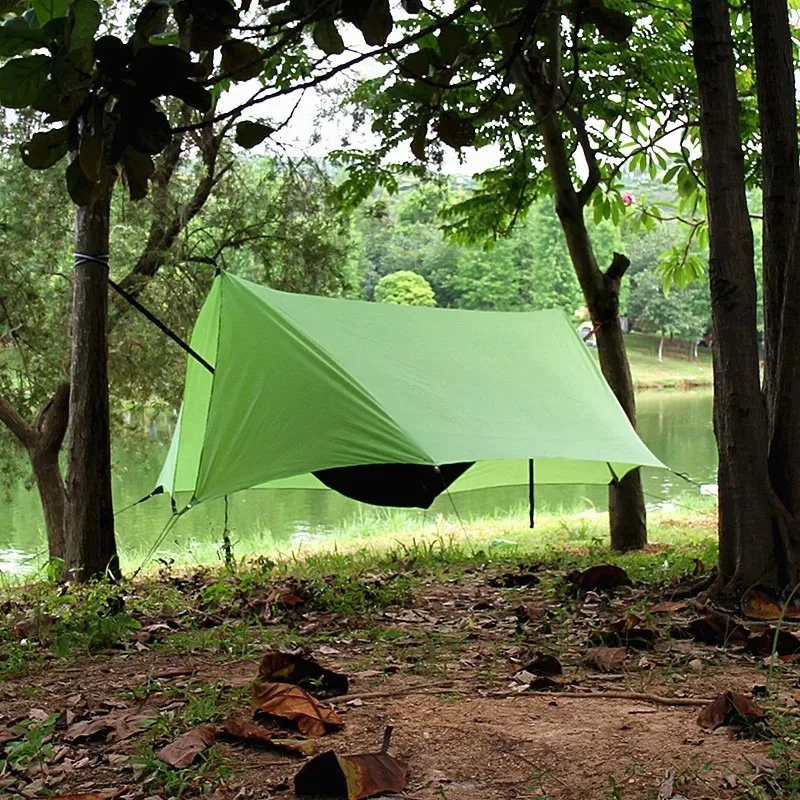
(676,425)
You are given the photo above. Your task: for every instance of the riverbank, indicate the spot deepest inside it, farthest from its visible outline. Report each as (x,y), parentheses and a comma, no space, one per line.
(676,371)
(439,636)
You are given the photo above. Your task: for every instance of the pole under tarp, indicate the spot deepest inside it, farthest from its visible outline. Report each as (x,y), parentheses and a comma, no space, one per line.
(531,497)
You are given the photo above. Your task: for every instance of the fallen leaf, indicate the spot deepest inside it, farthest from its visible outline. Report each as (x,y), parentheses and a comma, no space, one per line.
(607,659)
(284,597)
(121,725)
(543,664)
(174,672)
(729,708)
(666,790)
(762,644)
(602,577)
(89,795)
(183,751)
(669,607)
(759,605)
(7,735)
(286,702)
(281,667)
(510,580)
(625,632)
(353,777)
(245,731)
(712,630)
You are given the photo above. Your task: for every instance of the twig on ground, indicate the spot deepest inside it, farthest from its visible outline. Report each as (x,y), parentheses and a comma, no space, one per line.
(644,698)
(417,689)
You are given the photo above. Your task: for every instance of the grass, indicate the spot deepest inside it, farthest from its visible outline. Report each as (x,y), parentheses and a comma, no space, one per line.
(354,578)
(675,372)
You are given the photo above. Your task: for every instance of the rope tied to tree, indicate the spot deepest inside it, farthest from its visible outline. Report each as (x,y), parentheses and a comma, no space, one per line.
(599,324)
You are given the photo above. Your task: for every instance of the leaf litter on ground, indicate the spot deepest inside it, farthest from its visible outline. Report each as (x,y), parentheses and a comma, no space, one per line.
(182,752)
(292,667)
(731,709)
(353,776)
(286,703)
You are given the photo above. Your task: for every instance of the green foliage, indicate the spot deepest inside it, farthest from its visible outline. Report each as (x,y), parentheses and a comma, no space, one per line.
(405,288)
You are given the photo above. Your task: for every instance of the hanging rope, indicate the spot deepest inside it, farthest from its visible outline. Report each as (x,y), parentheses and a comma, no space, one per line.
(227,547)
(103,260)
(174,517)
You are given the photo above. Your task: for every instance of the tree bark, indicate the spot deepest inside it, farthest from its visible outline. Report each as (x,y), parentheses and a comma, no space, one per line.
(747,543)
(781,251)
(627,513)
(91,546)
(661,349)
(772,44)
(43,441)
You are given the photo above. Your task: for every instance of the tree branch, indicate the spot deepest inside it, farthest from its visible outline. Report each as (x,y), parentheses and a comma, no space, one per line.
(14,421)
(593,178)
(52,420)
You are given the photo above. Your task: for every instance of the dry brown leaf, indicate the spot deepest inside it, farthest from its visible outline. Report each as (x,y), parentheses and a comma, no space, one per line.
(354,777)
(600,578)
(714,630)
(7,735)
(759,605)
(280,667)
(607,659)
(90,795)
(544,664)
(183,751)
(729,708)
(120,724)
(762,644)
(283,701)
(669,607)
(245,731)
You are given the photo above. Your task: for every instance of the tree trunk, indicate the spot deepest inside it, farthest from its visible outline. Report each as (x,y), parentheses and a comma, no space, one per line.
(91,546)
(627,515)
(781,251)
(781,176)
(43,441)
(52,493)
(661,349)
(747,545)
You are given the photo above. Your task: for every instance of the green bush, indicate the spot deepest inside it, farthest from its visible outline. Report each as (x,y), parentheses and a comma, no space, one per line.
(406,288)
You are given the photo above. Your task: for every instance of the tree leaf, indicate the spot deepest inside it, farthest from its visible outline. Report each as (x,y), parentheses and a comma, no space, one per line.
(50,9)
(80,188)
(376,24)
(611,24)
(16,39)
(45,148)
(327,37)
(86,20)
(21,80)
(419,62)
(191,92)
(419,140)
(453,39)
(90,155)
(455,131)
(183,751)
(241,60)
(136,171)
(151,20)
(249,134)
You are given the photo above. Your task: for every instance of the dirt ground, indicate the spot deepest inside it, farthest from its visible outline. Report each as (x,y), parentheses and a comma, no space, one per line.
(442,673)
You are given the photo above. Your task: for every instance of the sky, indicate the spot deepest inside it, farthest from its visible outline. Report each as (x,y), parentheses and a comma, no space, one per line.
(315,132)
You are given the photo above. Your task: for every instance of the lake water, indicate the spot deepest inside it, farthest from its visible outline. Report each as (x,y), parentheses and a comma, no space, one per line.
(675,424)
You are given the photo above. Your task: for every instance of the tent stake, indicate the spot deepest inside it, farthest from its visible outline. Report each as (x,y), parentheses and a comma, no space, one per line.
(530,490)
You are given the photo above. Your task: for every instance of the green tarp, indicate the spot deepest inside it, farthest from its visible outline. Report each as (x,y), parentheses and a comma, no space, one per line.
(306,384)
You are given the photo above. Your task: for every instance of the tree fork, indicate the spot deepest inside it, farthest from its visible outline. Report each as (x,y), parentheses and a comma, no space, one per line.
(91,547)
